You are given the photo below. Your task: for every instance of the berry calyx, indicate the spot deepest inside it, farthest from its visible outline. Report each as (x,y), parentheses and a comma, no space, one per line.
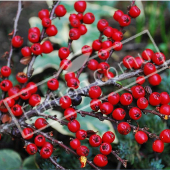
(82,151)
(17,110)
(70,114)
(106,108)
(17,41)
(123,128)
(35,100)
(39,140)
(46,152)
(119,114)
(95,92)
(100,160)
(81,134)
(105,148)
(126,99)
(95,140)
(31,149)
(40,123)
(53,84)
(27,133)
(5,71)
(108,137)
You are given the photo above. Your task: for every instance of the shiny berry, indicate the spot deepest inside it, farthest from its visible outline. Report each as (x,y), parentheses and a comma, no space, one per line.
(123,128)
(86,50)
(106,108)
(95,104)
(60,11)
(17,110)
(117,35)
(113,98)
(26,51)
(27,133)
(80,6)
(46,152)
(40,140)
(149,68)
(126,99)
(47,47)
(74,34)
(105,148)
(155,79)
(53,84)
(165,136)
(37,49)
(5,85)
(158,146)
(70,114)
(95,92)
(124,20)
(117,15)
(31,149)
(128,62)
(140,80)
(34,29)
(165,109)
(76,100)
(138,62)
(40,123)
(43,13)
(141,137)
(109,74)
(155,99)
(65,102)
(46,22)
(103,67)
(81,134)
(95,140)
(102,24)
(135,113)
(117,45)
(147,54)
(65,64)
(138,91)
(14,91)
(17,41)
(5,71)
(72,16)
(158,58)
(75,23)
(88,18)
(32,87)
(92,64)
(21,77)
(51,30)
(97,45)
(165,98)
(75,143)
(103,54)
(119,114)
(108,31)
(82,151)
(100,160)
(33,37)
(142,103)
(108,137)
(82,28)
(134,11)
(80,16)
(35,100)
(49,145)
(73,126)
(73,83)
(69,75)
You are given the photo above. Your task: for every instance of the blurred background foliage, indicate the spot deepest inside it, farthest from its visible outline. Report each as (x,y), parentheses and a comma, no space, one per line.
(155,16)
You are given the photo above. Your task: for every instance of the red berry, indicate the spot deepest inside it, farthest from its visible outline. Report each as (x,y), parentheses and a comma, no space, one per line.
(75,143)
(82,151)
(117,45)
(108,31)
(165,136)
(103,54)
(80,16)
(106,108)
(17,41)
(92,64)
(3,107)
(149,68)
(21,77)
(73,126)
(106,45)
(37,49)
(65,102)
(31,149)
(14,91)
(34,29)
(49,145)
(74,34)
(155,99)
(25,94)
(69,75)
(142,103)
(158,146)
(88,18)
(103,67)
(95,140)
(73,83)
(97,45)
(108,137)
(35,100)
(147,54)
(119,114)
(46,152)
(33,37)
(39,140)
(65,64)
(17,110)
(75,23)
(80,6)
(5,71)
(128,62)
(53,84)
(46,22)
(109,75)
(40,123)
(9,101)
(124,20)
(95,104)
(105,148)
(141,137)
(82,28)
(140,80)
(158,58)
(138,63)
(102,24)
(70,114)
(95,92)
(27,133)
(113,98)
(123,128)
(72,16)
(86,50)
(32,87)
(26,51)
(100,160)
(81,134)
(126,99)
(165,98)
(43,13)
(134,11)
(155,79)
(117,15)
(47,47)
(6,85)
(165,109)
(117,35)
(135,113)
(60,11)
(51,30)
(138,91)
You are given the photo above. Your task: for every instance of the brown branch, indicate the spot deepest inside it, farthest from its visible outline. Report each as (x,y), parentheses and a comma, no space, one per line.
(56,164)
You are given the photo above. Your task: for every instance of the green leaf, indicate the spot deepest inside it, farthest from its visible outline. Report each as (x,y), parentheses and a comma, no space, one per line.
(30,163)
(9,159)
